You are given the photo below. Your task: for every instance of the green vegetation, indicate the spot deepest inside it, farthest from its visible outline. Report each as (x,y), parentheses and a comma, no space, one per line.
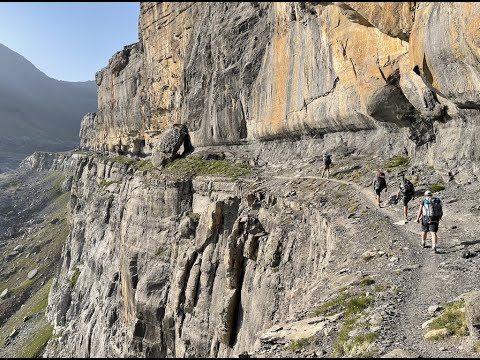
(104,183)
(397,160)
(49,240)
(353,206)
(196,166)
(36,304)
(141,165)
(346,301)
(452,318)
(76,274)
(30,296)
(380,288)
(12,186)
(331,306)
(476,346)
(352,306)
(298,344)
(34,348)
(56,178)
(357,305)
(366,281)
(195,217)
(436,188)
(357,345)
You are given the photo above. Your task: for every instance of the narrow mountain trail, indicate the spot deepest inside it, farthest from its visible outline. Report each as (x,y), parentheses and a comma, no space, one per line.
(427,285)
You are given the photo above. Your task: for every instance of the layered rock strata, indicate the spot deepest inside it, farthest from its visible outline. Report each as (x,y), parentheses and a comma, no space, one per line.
(178,267)
(287,71)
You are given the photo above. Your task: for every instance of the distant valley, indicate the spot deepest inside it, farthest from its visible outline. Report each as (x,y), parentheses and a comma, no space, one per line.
(36,111)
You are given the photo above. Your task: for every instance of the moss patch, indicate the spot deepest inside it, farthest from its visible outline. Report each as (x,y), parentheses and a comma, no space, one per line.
(35,346)
(76,274)
(298,344)
(195,217)
(366,282)
(357,304)
(142,165)
(105,183)
(196,166)
(452,318)
(436,188)
(36,304)
(476,346)
(397,161)
(331,306)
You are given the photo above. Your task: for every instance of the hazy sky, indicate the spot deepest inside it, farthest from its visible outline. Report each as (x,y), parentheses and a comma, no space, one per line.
(68,41)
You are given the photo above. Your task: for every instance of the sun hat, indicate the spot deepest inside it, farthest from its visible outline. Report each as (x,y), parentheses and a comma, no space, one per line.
(428,193)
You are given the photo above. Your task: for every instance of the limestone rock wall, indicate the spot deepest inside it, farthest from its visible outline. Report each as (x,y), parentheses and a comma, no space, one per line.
(157,267)
(238,73)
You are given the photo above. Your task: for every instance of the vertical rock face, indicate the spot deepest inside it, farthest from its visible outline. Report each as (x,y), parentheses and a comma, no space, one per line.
(241,72)
(445,50)
(178,268)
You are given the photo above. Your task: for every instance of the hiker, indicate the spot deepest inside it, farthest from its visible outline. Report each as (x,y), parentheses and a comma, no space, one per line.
(379,183)
(408,191)
(327,161)
(431,211)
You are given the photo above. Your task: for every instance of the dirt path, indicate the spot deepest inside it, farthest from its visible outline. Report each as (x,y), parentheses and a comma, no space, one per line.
(427,286)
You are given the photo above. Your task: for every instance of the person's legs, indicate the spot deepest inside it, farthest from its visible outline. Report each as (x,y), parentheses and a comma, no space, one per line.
(406,199)
(424,233)
(323,172)
(328,172)
(424,237)
(433,231)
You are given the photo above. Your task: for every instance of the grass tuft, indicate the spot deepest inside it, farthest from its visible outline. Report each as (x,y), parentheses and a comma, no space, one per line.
(436,188)
(397,161)
(452,318)
(76,274)
(300,343)
(196,166)
(366,282)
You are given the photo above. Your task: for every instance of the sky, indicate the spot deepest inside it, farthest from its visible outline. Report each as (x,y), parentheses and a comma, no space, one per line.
(68,41)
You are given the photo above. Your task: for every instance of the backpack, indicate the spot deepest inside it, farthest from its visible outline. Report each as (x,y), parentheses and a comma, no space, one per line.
(432,209)
(408,189)
(327,159)
(380,182)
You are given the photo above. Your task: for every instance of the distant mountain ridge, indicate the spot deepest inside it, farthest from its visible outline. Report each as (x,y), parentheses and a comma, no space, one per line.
(36,111)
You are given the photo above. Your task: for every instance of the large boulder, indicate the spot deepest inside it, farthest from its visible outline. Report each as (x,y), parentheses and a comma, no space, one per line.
(472,313)
(168,144)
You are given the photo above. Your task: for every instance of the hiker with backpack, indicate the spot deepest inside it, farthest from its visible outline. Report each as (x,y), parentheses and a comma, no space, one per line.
(431,212)
(379,183)
(327,161)
(408,191)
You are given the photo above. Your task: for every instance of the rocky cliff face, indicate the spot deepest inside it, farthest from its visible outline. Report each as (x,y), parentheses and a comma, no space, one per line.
(170,264)
(262,71)
(190,265)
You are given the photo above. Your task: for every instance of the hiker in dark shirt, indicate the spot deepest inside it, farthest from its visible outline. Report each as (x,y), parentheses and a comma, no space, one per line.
(379,183)
(327,161)
(407,190)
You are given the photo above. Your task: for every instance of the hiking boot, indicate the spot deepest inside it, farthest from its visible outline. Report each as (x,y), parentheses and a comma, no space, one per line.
(423,244)
(435,250)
